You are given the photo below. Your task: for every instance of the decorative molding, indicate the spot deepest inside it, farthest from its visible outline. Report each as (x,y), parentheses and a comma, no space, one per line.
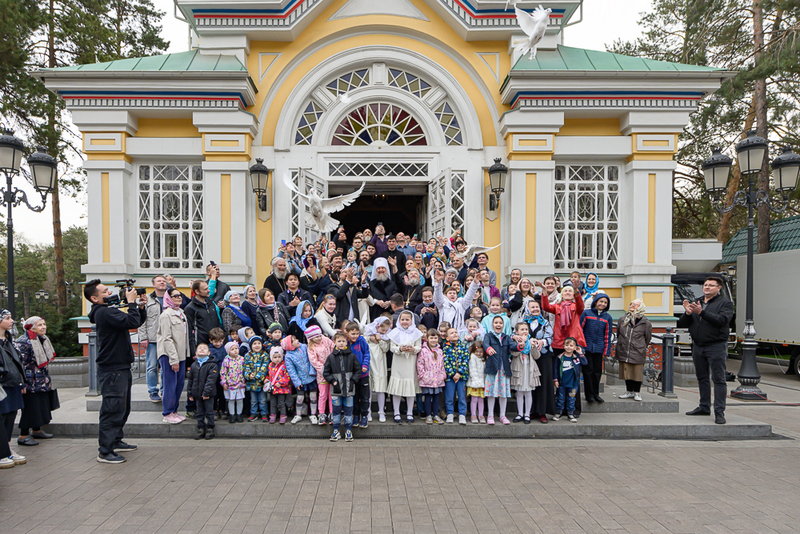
(155,101)
(492,61)
(604,100)
(654,143)
(265,62)
(225,143)
(488,18)
(532,143)
(104,142)
(284,17)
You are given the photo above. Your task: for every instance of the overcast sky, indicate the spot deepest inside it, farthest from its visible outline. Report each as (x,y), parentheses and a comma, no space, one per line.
(603,22)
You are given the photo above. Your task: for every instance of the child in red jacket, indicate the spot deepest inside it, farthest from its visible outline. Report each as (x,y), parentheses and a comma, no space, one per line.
(278,385)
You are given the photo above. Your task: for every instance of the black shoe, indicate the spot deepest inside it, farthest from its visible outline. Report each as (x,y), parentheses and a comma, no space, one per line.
(232,419)
(201,434)
(398,419)
(28,442)
(527,420)
(124,447)
(590,400)
(110,458)
(719,419)
(518,419)
(698,411)
(210,433)
(41,434)
(598,399)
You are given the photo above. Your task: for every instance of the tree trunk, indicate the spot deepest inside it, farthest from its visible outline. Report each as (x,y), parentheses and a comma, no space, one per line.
(52,142)
(760,98)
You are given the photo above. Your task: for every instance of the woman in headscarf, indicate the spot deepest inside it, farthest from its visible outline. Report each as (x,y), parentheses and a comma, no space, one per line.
(40,398)
(172,345)
(233,316)
(12,380)
(542,336)
(591,288)
(303,318)
(250,308)
(634,331)
(272,311)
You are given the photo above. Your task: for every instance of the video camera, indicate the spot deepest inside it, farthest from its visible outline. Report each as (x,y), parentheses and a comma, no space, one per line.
(120,300)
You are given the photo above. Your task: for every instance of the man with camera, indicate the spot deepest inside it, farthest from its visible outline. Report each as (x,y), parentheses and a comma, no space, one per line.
(114,359)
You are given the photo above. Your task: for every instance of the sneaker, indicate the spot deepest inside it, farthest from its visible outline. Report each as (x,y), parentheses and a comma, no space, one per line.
(265,419)
(490,420)
(369,418)
(170,419)
(518,419)
(449,418)
(462,419)
(505,420)
(438,420)
(252,418)
(336,436)
(272,418)
(124,447)
(626,395)
(6,463)
(473,419)
(348,435)
(189,415)
(296,419)
(210,433)
(27,441)
(637,397)
(429,420)
(154,398)
(18,458)
(323,419)
(572,418)
(365,422)
(356,421)
(313,419)
(200,434)
(110,458)
(556,417)
(381,418)
(181,418)
(481,419)
(282,420)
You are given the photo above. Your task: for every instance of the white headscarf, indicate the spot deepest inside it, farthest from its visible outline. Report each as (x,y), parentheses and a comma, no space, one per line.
(372,328)
(405,336)
(380,262)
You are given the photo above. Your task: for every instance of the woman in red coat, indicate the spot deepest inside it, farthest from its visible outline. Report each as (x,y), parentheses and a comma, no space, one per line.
(568,319)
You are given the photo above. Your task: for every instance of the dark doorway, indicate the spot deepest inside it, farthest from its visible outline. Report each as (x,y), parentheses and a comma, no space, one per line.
(397,213)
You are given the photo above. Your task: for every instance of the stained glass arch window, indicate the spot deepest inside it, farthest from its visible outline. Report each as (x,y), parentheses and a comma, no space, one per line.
(379,123)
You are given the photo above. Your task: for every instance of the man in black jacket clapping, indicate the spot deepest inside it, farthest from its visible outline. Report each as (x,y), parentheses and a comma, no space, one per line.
(708,320)
(114,359)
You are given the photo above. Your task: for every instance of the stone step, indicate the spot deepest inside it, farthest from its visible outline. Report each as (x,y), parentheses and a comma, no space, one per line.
(650,403)
(590,425)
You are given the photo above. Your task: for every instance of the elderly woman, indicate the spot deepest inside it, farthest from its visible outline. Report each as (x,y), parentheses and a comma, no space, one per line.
(40,398)
(172,346)
(12,378)
(233,316)
(633,336)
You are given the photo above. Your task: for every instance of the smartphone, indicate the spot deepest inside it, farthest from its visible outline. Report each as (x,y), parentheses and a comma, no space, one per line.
(283,242)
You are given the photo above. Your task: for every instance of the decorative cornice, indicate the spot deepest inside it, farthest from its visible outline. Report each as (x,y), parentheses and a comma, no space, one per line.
(482,18)
(154,99)
(554,100)
(282,17)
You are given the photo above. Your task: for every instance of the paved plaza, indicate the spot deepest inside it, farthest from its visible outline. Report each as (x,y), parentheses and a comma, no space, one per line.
(549,486)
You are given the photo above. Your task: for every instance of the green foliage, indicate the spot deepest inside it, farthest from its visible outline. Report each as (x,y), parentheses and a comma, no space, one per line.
(719,33)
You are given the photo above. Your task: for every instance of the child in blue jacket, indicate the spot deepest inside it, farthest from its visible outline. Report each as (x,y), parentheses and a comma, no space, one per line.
(597,326)
(360,349)
(568,379)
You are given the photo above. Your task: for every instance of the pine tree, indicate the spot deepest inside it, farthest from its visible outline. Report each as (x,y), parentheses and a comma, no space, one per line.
(56,33)
(764,94)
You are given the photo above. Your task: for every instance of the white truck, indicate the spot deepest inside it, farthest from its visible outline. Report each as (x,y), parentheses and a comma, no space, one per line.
(776,294)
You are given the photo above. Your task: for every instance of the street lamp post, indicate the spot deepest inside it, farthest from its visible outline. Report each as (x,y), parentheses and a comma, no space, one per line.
(42,176)
(751,153)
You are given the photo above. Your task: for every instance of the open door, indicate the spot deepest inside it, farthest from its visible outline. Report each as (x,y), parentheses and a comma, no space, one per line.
(439,205)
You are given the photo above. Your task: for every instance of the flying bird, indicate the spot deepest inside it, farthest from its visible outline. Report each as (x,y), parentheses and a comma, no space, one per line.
(321,208)
(512,2)
(473,249)
(534,25)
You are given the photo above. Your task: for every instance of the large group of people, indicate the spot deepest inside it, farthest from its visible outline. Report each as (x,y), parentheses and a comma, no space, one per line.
(412,327)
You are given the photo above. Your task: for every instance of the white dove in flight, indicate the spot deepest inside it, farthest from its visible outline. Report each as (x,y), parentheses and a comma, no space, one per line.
(321,208)
(534,25)
(473,249)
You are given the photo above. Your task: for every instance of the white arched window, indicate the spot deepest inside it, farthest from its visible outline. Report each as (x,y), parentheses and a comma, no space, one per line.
(379,123)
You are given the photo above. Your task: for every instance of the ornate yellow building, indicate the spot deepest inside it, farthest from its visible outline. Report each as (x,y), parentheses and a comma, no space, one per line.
(415,97)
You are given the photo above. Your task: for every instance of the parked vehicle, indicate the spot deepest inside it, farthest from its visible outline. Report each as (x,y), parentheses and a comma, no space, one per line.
(689,286)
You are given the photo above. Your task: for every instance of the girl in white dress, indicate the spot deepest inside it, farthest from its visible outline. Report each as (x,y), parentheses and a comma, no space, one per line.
(376,334)
(405,343)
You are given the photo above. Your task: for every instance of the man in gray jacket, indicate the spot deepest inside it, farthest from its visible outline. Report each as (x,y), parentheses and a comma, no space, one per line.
(148,334)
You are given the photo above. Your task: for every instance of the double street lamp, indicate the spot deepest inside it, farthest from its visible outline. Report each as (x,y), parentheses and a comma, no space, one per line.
(42,176)
(751,154)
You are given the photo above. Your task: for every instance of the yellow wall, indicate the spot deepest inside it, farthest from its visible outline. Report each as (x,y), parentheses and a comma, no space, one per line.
(173,127)
(590,126)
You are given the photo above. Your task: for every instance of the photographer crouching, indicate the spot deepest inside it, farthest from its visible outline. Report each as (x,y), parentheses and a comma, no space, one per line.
(114,359)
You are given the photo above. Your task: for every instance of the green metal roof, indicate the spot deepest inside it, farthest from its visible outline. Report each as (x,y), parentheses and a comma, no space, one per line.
(784,234)
(189,61)
(568,58)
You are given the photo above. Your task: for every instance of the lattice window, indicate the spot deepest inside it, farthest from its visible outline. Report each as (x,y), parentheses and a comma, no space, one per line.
(409,82)
(308,123)
(379,123)
(457,181)
(299,212)
(347,82)
(295,205)
(586,227)
(366,170)
(170,217)
(449,122)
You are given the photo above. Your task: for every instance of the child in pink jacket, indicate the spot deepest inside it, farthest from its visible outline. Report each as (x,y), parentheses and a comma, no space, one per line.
(431,375)
(319,348)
